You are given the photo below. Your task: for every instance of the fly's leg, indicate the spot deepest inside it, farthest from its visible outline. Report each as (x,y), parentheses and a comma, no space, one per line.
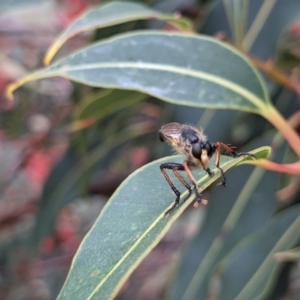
(217,147)
(209,172)
(175,167)
(191,177)
(223,182)
(188,187)
(238,154)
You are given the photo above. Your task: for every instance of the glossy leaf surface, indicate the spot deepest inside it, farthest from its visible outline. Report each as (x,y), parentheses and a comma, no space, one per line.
(233,216)
(128,228)
(266,22)
(174,67)
(111,14)
(62,185)
(280,234)
(106,102)
(237,16)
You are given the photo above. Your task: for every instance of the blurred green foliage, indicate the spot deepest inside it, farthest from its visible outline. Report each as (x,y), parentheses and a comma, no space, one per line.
(65,143)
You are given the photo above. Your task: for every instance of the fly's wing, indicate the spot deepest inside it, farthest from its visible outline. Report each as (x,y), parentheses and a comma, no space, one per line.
(171,133)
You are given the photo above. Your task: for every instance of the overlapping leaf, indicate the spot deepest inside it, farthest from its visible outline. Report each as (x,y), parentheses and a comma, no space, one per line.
(233,217)
(174,67)
(130,225)
(252,282)
(62,185)
(111,14)
(103,103)
(237,16)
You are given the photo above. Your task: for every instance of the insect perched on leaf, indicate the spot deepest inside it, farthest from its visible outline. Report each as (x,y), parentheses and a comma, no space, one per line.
(193,144)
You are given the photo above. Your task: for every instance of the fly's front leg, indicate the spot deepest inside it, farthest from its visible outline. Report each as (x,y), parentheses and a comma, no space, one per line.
(175,167)
(234,153)
(209,172)
(217,146)
(223,182)
(238,154)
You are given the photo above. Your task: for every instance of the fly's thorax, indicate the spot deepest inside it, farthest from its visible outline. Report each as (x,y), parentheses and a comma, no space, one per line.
(192,134)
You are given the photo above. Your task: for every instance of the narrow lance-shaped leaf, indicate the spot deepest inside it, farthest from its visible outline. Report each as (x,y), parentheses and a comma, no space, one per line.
(233,214)
(112,14)
(239,283)
(174,67)
(62,185)
(103,103)
(236,11)
(128,228)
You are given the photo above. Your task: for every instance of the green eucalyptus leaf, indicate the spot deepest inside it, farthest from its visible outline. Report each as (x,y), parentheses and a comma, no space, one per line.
(191,70)
(266,21)
(237,16)
(233,214)
(106,102)
(63,183)
(130,225)
(110,14)
(244,281)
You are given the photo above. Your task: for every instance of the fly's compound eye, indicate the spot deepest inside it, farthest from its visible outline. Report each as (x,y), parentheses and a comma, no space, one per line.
(196,150)
(208,148)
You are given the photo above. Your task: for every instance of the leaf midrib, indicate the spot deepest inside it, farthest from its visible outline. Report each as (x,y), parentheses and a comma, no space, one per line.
(254,99)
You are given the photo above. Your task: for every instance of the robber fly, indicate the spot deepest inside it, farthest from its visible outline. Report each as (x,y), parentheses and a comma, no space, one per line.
(193,144)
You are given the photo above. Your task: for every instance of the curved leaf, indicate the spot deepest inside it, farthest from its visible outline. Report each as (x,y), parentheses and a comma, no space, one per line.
(105,102)
(62,185)
(192,70)
(231,217)
(266,21)
(237,16)
(128,228)
(280,234)
(111,14)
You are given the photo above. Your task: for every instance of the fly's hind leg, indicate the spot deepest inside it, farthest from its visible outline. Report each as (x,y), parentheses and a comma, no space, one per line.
(175,167)
(191,177)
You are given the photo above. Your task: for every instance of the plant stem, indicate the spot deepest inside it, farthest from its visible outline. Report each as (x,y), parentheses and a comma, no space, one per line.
(291,136)
(293,168)
(276,74)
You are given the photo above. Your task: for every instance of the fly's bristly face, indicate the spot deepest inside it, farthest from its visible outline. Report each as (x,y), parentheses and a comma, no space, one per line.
(182,137)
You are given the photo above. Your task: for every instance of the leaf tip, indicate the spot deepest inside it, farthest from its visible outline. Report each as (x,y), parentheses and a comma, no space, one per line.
(47,58)
(52,51)
(9,92)
(261,153)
